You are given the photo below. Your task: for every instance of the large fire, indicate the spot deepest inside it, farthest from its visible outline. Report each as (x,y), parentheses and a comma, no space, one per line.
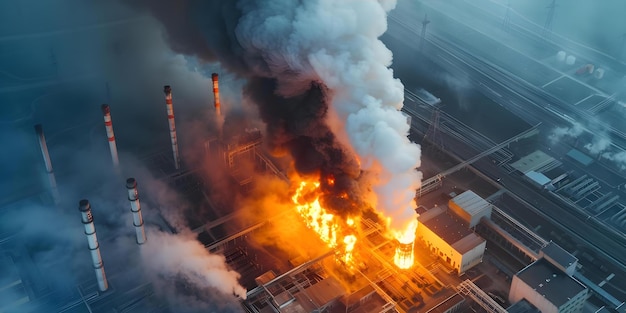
(326,225)
(404,257)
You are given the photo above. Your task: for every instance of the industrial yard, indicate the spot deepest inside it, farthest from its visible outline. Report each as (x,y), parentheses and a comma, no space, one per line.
(165,160)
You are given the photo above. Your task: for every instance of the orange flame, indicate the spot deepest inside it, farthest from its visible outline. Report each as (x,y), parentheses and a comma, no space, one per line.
(404,257)
(325,224)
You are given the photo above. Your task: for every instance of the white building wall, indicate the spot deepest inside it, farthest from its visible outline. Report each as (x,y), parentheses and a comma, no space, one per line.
(520,290)
(439,247)
(472,257)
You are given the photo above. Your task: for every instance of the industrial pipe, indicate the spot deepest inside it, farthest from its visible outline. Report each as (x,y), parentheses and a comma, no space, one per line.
(135,208)
(94,247)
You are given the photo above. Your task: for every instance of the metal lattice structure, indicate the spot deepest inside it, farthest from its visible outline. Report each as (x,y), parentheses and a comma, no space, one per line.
(468,288)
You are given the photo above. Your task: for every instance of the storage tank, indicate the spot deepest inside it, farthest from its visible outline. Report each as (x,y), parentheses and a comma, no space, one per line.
(570,60)
(599,73)
(560,56)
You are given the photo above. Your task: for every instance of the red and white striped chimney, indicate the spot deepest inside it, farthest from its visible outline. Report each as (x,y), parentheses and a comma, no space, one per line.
(135,207)
(108,124)
(170,118)
(216,93)
(94,247)
(46,160)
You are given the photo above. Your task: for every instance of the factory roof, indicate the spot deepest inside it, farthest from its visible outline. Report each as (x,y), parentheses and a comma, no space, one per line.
(559,255)
(538,178)
(449,228)
(533,162)
(319,295)
(471,203)
(468,243)
(580,157)
(552,283)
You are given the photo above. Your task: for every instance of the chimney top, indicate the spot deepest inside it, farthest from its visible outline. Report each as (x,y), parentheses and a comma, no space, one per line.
(84,205)
(38,129)
(167,89)
(214,76)
(131,183)
(106,109)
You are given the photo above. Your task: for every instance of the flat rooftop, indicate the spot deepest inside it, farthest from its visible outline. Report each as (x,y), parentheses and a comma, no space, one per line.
(559,255)
(448,227)
(550,282)
(471,203)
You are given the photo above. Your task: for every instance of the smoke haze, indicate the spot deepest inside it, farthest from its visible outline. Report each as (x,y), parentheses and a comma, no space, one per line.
(320,78)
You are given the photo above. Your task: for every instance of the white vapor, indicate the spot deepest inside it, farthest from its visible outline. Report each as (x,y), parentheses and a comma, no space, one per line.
(182,256)
(558,133)
(336,43)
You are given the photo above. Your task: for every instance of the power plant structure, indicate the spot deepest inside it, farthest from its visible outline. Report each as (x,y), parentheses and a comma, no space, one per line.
(135,208)
(108,124)
(94,247)
(430,269)
(172,124)
(46,158)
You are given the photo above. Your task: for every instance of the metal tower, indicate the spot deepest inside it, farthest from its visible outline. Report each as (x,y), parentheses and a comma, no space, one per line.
(425,23)
(506,21)
(547,27)
(433,134)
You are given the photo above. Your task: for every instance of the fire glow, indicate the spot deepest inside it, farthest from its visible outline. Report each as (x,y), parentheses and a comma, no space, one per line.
(404,257)
(328,227)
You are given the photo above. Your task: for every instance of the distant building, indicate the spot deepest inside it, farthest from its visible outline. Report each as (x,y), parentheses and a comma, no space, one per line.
(548,288)
(449,237)
(470,207)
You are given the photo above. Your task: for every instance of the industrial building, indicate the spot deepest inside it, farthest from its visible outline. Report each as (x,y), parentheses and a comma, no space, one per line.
(448,233)
(548,288)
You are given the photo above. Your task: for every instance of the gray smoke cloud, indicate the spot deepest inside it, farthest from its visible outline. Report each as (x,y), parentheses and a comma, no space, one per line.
(321,80)
(60,61)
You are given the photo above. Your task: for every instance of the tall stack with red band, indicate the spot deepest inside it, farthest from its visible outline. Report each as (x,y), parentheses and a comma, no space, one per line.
(216,93)
(108,124)
(170,118)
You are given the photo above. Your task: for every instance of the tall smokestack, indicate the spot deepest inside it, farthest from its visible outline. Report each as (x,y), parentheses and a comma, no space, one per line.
(170,118)
(216,93)
(108,124)
(135,207)
(94,248)
(46,160)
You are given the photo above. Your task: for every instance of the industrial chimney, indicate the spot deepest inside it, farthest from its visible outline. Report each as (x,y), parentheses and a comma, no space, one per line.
(94,248)
(216,93)
(135,207)
(108,124)
(46,160)
(170,118)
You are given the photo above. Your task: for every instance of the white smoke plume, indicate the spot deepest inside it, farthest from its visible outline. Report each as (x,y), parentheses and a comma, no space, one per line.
(560,132)
(182,256)
(323,50)
(598,145)
(619,158)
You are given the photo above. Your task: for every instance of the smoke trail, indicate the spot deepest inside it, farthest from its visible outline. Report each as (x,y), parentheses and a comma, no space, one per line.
(560,132)
(320,77)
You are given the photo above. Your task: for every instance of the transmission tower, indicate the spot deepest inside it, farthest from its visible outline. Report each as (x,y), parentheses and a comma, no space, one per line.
(547,27)
(425,23)
(506,21)
(433,134)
